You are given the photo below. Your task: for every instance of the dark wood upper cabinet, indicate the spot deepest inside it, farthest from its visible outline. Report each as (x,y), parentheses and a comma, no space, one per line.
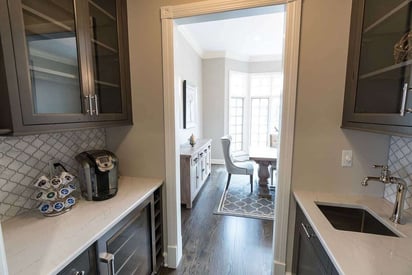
(63,65)
(378,80)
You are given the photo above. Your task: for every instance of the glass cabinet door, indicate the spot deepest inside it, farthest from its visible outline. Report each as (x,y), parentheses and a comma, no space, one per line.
(384,80)
(48,61)
(106,53)
(383,69)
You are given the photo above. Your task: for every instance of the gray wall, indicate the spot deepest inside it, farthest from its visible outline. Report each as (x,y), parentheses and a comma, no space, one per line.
(267,66)
(319,140)
(188,66)
(213,74)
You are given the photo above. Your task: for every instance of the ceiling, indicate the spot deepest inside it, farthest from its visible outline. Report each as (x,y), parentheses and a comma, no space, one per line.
(248,38)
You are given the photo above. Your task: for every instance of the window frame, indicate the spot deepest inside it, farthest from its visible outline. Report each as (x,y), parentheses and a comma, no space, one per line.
(274,96)
(235,134)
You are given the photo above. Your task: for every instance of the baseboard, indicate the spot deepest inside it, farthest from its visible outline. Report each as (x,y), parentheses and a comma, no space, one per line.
(172,258)
(279,268)
(218,161)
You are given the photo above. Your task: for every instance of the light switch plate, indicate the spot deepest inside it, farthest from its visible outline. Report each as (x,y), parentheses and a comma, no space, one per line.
(346,158)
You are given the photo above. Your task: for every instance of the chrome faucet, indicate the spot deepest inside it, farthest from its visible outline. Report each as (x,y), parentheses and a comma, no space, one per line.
(386,178)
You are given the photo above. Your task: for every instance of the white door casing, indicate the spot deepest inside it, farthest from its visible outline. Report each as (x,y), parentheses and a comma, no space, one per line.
(3,262)
(173,251)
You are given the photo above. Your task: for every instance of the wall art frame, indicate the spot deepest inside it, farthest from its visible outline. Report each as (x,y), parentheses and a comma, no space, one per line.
(189,105)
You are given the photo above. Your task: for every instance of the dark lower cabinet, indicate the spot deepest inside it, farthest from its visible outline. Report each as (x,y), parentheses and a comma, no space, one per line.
(127,248)
(134,246)
(84,264)
(309,257)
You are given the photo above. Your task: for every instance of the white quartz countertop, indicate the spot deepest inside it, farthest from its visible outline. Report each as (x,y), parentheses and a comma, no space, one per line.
(360,253)
(45,245)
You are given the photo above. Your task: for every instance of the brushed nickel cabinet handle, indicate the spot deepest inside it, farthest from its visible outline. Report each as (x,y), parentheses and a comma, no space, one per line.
(96,104)
(87,104)
(90,104)
(306,230)
(404,110)
(108,259)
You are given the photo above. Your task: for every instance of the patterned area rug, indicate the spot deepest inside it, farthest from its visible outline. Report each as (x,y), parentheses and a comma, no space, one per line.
(238,201)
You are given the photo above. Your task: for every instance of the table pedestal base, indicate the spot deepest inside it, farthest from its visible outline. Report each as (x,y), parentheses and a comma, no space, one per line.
(263,173)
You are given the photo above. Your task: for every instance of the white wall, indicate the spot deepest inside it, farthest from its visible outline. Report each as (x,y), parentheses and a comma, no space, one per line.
(188,66)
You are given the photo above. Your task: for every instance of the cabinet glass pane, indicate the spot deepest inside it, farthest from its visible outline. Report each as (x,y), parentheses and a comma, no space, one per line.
(105,50)
(380,93)
(378,41)
(131,247)
(376,9)
(53,57)
(382,69)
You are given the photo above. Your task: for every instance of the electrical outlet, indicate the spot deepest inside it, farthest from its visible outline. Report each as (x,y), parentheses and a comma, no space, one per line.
(347,158)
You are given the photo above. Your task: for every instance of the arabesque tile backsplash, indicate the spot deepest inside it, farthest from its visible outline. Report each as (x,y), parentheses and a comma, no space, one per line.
(25,158)
(400,164)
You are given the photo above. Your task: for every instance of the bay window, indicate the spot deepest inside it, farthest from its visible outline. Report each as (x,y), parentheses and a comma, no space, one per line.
(254,108)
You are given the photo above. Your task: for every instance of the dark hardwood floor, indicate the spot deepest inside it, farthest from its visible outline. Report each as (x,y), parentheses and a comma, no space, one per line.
(216,244)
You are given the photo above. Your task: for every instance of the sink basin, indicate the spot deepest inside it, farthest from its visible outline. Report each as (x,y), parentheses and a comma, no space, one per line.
(354,219)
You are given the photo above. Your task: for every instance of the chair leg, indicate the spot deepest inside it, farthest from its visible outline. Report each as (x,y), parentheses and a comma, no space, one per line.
(251,183)
(271,177)
(228,180)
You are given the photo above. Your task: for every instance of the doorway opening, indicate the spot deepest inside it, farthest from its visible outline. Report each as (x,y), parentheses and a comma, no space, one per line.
(173,117)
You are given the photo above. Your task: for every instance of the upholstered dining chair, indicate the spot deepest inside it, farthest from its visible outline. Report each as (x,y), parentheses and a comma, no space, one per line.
(235,167)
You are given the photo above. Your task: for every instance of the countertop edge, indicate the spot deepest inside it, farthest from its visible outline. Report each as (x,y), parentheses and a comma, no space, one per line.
(145,187)
(105,230)
(354,252)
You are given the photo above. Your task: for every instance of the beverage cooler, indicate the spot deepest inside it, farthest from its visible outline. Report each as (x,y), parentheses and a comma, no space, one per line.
(127,248)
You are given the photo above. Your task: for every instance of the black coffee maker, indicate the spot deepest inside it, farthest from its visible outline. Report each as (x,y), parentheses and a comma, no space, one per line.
(98,174)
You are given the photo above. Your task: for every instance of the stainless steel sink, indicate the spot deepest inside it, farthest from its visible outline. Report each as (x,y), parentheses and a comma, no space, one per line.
(354,219)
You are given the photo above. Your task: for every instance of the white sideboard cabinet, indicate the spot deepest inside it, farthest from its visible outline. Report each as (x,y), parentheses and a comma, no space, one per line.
(195,167)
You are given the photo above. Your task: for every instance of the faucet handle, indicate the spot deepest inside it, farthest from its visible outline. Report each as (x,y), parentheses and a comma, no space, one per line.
(385,173)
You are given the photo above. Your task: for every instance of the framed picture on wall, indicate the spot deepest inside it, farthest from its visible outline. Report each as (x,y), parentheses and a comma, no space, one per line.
(189,105)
